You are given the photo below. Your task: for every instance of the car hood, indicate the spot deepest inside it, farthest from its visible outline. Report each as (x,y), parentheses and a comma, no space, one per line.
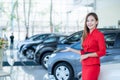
(72,58)
(64,56)
(67,54)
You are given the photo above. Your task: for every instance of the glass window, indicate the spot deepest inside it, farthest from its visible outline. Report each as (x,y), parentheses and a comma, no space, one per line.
(41,37)
(61,38)
(110,39)
(52,39)
(117,42)
(75,38)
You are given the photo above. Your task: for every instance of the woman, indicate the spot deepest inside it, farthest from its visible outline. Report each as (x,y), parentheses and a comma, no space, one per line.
(94,47)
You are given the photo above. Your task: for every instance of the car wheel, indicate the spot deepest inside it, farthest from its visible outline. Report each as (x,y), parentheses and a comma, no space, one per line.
(29,53)
(44,59)
(63,71)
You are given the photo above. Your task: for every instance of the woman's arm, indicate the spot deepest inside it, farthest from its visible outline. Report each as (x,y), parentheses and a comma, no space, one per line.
(85,56)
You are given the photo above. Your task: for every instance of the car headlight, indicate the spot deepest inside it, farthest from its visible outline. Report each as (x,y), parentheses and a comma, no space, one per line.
(52,55)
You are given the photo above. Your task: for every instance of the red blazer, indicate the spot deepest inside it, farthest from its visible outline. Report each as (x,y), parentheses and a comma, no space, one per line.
(94,42)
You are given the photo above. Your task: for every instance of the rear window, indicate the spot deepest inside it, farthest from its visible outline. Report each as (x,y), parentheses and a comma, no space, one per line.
(117,42)
(110,39)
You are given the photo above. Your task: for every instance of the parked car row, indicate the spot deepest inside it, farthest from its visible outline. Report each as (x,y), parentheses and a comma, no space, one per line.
(29,49)
(33,39)
(47,52)
(68,62)
(41,48)
(41,51)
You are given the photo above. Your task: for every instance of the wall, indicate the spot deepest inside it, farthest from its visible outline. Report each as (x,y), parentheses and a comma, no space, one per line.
(108,12)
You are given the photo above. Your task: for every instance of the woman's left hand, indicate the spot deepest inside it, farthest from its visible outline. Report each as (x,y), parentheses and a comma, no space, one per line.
(85,56)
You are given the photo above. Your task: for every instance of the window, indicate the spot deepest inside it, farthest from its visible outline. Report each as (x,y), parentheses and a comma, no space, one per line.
(40,37)
(110,39)
(51,39)
(117,42)
(75,37)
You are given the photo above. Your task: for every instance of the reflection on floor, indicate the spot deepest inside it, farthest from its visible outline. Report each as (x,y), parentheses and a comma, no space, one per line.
(27,72)
(22,71)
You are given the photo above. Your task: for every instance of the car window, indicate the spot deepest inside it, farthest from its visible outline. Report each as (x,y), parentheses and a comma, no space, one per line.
(117,42)
(72,38)
(51,39)
(110,39)
(40,37)
(32,37)
(75,38)
(61,38)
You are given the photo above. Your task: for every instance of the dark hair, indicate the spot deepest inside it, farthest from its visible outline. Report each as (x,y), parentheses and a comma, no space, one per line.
(86,29)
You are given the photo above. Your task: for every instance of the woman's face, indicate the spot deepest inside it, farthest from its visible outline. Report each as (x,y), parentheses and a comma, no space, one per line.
(91,22)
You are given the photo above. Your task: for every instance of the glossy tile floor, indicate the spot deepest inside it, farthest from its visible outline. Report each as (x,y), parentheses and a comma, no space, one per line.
(27,73)
(23,72)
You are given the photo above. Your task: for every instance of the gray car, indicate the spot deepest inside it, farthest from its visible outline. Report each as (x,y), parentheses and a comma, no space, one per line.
(66,66)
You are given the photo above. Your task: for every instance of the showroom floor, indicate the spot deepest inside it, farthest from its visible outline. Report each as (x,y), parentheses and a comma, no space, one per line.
(26,73)
(22,71)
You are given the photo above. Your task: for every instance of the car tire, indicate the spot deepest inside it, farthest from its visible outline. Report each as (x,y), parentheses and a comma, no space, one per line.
(44,59)
(29,53)
(63,71)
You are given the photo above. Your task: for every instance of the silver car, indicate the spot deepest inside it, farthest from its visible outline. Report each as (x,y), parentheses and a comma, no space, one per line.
(65,66)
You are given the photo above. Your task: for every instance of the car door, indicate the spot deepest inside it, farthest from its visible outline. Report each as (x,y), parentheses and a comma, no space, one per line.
(113,47)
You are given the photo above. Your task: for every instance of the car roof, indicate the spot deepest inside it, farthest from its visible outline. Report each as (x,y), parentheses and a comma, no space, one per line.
(38,35)
(111,31)
(101,29)
(108,28)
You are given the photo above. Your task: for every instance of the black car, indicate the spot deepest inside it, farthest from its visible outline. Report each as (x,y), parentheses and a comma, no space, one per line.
(28,50)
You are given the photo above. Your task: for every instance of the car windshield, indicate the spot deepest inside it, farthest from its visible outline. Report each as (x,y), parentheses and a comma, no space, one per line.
(72,38)
(62,38)
(32,37)
(39,37)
